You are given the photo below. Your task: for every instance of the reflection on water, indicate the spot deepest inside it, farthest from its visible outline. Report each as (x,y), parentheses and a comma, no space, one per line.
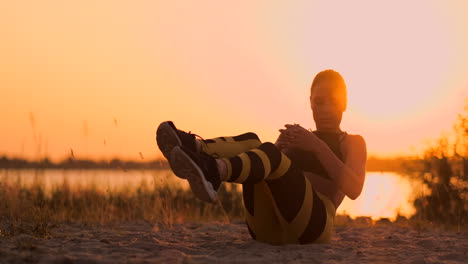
(102,180)
(383,195)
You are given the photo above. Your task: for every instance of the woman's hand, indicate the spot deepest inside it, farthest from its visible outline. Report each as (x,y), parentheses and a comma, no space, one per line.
(283,141)
(349,174)
(295,136)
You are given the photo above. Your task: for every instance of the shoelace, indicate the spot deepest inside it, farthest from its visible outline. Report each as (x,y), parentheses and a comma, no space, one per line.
(190,133)
(214,155)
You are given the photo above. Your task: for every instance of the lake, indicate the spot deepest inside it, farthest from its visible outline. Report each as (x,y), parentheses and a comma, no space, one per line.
(384,194)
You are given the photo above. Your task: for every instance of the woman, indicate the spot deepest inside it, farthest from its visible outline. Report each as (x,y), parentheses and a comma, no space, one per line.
(292,188)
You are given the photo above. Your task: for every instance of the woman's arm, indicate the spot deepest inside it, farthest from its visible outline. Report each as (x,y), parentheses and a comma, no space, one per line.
(348,175)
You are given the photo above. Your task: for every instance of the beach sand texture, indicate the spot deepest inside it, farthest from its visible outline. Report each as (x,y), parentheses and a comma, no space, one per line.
(214,242)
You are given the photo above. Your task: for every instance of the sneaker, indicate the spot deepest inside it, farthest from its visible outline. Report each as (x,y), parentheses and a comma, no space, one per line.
(168,137)
(200,170)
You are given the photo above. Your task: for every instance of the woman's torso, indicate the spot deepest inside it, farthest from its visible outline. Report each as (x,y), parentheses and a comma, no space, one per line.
(314,170)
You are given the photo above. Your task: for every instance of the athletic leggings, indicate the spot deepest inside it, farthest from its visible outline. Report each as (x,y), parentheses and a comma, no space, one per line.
(280,203)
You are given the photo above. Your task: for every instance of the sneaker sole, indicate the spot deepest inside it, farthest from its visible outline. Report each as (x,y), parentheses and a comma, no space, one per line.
(184,166)
(167,139)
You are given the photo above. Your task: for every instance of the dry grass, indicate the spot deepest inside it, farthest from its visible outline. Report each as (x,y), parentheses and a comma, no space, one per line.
(31,211)
(34,211)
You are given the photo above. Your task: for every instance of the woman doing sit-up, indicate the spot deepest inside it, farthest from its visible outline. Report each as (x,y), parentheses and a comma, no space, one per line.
(291,189)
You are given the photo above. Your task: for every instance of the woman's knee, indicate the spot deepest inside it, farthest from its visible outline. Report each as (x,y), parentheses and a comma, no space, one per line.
(273,153)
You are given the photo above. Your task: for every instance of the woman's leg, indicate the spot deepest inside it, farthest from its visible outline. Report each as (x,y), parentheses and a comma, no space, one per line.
(280,203)
(168,137)
(229,146)
(273,185)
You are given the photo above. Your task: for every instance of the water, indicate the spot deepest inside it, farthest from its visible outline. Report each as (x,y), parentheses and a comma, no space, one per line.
(102,180)
(384,194)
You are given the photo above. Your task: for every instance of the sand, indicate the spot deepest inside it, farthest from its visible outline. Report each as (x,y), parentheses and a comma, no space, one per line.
(215,242)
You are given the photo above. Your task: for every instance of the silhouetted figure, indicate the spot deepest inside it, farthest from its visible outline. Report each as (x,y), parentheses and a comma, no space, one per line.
(291,189)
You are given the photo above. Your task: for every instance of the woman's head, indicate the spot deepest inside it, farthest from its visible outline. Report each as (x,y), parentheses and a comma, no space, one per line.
(328,100)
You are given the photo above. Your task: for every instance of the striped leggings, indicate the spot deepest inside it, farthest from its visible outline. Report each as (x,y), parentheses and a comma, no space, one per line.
(280,203)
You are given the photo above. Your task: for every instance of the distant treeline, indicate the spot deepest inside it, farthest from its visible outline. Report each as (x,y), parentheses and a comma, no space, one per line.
(391,164)
(71,163)
(373,164)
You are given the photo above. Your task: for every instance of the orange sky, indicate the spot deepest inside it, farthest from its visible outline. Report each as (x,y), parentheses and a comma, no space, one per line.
(98,76)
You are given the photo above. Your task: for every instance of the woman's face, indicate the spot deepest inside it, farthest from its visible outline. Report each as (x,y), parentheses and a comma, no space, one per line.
(328,103)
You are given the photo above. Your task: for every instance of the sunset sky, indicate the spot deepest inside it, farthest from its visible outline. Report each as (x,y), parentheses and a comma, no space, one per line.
(99,76)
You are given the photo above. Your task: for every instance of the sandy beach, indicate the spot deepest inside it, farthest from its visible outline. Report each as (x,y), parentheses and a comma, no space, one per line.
(215,242)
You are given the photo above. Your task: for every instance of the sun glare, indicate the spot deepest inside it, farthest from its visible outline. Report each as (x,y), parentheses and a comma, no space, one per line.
(383,195)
